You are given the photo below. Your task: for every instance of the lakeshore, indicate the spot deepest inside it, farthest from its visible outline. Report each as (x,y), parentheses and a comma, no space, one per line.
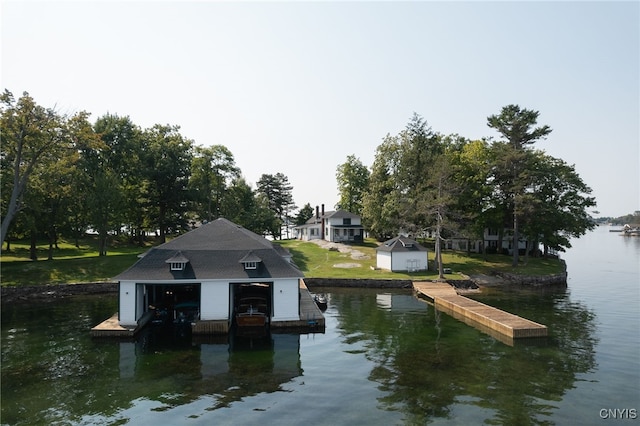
(502,325)
(49,292)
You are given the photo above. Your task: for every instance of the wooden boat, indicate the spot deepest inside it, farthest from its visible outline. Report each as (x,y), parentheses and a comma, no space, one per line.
(186,312)
(321,301)
(252,312)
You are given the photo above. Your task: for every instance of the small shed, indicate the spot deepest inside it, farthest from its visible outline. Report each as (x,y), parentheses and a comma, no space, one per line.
(402,254)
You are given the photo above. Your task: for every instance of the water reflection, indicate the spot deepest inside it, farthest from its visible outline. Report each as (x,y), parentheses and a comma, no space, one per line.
(430,364)
(394,355)
(65,375)
(227,368)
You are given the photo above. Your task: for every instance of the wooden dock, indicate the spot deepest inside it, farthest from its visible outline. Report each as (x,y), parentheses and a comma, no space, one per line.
(112,328)
(500,324)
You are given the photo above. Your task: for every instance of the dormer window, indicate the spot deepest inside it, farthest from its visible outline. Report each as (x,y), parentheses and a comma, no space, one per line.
(250,261)
(177,266)
(177,262)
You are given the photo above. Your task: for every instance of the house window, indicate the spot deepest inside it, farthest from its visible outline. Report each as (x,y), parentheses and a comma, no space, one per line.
(250,265)
(346,221)
(177,266)
(492,231)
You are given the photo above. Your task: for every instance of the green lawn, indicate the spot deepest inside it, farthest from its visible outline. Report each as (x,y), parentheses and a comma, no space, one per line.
(318,262)
(73,265)
(70,264)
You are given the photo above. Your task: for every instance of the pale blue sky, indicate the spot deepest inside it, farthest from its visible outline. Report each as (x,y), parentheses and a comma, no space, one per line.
(295,87)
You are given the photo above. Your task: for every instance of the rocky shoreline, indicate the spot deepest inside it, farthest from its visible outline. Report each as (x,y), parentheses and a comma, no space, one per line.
(50,292)
(472,283)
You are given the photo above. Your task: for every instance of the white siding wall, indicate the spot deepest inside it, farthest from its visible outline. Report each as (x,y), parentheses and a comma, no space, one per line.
(401,260)
(383,260)
(214,300)
(285,300)
(127,310)
(141,308)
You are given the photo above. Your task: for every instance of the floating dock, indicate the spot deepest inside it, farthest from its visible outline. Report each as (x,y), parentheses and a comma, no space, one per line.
(500,324)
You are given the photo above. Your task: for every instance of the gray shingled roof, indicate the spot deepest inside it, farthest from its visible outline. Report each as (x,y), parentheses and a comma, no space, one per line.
(400,244)
(178,257)
(214,251)
(341,214)
(330,214)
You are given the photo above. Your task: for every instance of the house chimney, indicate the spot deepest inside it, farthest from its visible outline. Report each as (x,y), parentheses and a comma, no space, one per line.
(322,224)
(317,213)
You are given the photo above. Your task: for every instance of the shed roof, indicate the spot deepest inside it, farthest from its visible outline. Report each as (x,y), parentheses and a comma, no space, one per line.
(215,251)
(401,244)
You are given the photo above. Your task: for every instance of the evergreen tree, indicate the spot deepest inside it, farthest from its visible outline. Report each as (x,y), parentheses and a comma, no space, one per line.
(517,126)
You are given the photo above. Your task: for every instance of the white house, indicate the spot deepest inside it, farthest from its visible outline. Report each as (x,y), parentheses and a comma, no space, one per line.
(335,226)
(207,270)
(490,239)
(402,254)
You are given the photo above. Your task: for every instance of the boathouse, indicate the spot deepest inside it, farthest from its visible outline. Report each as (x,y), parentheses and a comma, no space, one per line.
(203,275)
(401,254)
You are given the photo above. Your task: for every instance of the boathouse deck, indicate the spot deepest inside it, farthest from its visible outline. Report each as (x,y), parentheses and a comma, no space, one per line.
(111,328)
(495,322)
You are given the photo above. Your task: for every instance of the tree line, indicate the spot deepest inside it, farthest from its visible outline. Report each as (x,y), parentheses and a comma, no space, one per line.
(423,182)
(632,219)
(63,175)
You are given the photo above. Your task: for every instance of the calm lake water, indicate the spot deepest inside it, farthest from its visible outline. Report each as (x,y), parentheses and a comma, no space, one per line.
(385,358)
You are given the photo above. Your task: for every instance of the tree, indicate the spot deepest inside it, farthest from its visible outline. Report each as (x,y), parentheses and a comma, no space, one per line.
(265,221)
(56,189)
(381,202)
(437,202)
(31,136)
(420,146)
(470,162)
(558,203)
(304,214)
(353,179)
(167,164)
(397,181)
(122,153)
(240,205)
(277,192)
(517,126)
(212,170)
(84,140)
